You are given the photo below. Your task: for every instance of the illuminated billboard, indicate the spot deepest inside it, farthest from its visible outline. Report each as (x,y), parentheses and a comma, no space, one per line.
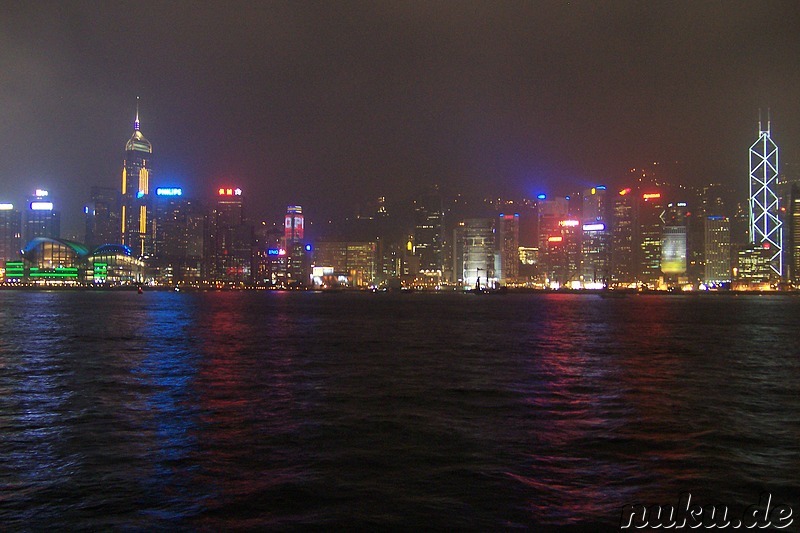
(41,206)
(594,227)
(569,223)
(6,207)
(673,250)
(169,191)
(229,192)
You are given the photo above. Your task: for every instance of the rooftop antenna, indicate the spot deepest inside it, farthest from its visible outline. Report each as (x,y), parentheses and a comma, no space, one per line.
(136,122)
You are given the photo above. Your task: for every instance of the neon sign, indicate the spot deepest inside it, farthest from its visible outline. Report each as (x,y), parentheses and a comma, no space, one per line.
(648,196)
(555,239)
(41,206)
(169,191)
(229,192)
(568,223)
(594,227)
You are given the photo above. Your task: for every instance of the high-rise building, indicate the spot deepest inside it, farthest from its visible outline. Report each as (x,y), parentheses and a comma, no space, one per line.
(229,239)
(648,238)
(766,228)
(293,226)
(10,233)
(477,262)
(41,219)
(137,228)
(429,231)
(179,234)
(596,237)
(793,240)
(345,263)
(673,240)
(717,250)
(508,247)
(102,217)
(623,246)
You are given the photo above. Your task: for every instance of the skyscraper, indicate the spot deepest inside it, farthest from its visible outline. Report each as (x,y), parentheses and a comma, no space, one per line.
(102,217)
(137,228)
(10,233)
(765,224)
(508,247)
(623,245)
(429,231)
(230,239)
(178,243)
(596,238)
(717,249)
(41,219)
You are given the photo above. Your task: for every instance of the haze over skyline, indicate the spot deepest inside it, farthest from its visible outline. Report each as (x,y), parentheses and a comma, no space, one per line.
(330,105)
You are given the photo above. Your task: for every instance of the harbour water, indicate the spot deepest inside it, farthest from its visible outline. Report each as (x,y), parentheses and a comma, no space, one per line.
(269,410)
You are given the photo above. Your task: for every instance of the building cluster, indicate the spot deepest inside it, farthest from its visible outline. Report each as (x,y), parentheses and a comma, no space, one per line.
(647,235)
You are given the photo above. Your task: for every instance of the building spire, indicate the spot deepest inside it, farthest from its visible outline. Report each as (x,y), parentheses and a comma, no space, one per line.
(136,122)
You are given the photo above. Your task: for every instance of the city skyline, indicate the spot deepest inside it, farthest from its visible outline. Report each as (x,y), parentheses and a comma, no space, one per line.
(325,106)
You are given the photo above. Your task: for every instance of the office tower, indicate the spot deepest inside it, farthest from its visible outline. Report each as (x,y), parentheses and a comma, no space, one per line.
(550,213)
(10,233)
(429,231)
(229,239)
(508,247)
(137,228)
(596,237)
(345,263)
(623,268)
(793,240)
(293,226)
(766,228)
(717,231)
(477,262)
(178,242)
(298,264)
(562,258)
(648,238)
(102,217)
(674,240)
(41,219)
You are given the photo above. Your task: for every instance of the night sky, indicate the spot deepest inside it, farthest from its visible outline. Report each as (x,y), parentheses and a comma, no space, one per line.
(330,104)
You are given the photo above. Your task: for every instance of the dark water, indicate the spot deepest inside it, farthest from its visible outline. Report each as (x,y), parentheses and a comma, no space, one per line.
(288,410)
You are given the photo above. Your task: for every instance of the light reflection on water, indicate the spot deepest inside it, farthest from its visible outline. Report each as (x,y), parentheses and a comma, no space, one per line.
(220,410)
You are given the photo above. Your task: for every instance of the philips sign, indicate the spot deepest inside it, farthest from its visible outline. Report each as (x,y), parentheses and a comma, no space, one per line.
(169,191)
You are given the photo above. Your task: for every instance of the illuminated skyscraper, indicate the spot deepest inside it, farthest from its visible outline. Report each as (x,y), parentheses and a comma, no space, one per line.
(179,228)
(673,240)
(41,219)
(648,238)
(477,253)
(508,247)
(137,228)
(230,239)
(293,226)
(596,238)
(717,249)
(793,241)
(429,231)
(765,224)
(623,244)
(10,233)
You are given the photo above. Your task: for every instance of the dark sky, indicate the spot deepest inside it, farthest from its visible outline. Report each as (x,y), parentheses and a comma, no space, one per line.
(329,104)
